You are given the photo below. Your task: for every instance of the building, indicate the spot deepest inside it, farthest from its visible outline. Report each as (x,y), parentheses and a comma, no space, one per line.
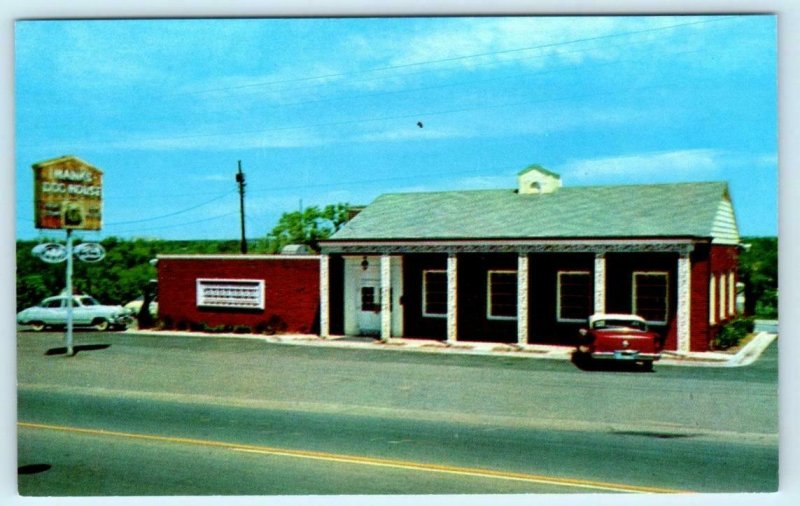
(258,293)
(528,265)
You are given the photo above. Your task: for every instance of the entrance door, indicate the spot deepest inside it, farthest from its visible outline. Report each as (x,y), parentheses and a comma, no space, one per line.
(369,307)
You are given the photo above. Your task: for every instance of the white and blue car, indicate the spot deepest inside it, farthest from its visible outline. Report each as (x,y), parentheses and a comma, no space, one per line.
(86,312)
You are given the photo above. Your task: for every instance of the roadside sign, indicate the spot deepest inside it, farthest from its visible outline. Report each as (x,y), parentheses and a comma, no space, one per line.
(67,194)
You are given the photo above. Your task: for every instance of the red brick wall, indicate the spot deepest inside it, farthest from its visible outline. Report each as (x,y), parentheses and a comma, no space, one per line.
(707,260)
(699,330)
(291,290)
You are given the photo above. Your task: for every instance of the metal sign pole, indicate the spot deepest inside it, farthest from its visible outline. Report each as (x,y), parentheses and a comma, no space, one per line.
(69,293)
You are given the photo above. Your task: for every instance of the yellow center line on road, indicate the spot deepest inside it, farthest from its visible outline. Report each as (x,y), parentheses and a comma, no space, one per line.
(369,461)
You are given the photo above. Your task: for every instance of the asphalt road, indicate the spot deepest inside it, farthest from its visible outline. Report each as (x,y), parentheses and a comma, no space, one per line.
(135,415)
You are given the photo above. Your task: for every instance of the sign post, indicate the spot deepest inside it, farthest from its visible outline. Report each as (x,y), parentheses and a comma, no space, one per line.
(68,196)
(68,337)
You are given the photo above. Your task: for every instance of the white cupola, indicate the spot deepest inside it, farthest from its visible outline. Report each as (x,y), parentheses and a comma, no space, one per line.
(536,179)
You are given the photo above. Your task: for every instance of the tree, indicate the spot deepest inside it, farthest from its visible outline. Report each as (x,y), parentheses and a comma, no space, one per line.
(758,270)
(308,226)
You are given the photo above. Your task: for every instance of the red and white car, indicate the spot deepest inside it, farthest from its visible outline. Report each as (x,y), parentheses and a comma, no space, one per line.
(622,337)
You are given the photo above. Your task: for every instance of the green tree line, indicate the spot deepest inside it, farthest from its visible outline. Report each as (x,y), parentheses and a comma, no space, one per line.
(117,279)
(121,276)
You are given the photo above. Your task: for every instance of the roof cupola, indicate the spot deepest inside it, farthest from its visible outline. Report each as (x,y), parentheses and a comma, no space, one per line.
(536,179)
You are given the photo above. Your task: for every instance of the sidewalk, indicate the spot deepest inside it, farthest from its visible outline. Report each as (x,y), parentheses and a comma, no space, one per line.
(745,356)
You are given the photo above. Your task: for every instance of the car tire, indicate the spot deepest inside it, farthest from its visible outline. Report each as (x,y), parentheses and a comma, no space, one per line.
(37,326)
(100,325)
(647,366)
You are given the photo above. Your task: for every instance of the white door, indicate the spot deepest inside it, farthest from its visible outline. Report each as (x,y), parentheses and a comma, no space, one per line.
(369,307)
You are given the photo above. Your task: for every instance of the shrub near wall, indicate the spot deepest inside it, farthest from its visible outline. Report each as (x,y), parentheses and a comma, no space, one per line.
(732,333)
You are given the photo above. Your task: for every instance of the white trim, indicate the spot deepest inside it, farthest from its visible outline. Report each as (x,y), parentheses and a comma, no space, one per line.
(204,300)
(684,312)
(386,297)
(599,283)
(425,293)
(712,299)
(452,298)
(731,294)
(523,270)
(558,297)
(504,242)
(238,257)
(489,315)
(634,285)
(723,292)
(324,299)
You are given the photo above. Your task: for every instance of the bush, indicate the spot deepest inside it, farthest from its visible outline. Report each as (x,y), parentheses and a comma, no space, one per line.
(242,329)
(733,332)
(275,325)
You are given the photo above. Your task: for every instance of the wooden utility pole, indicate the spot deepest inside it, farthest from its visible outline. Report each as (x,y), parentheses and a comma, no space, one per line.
(240,180)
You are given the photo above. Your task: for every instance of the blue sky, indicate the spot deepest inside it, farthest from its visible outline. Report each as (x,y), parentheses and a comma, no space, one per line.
(323,111)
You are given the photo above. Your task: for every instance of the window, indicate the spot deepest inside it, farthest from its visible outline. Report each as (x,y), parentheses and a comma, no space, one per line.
(731,294)
(434,293)
(231,293)
(712,299)
(574,296)
(370,299)
(650,296)
(723,291)
(502,295)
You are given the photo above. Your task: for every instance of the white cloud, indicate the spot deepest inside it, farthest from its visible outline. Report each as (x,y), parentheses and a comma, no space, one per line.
(690,164)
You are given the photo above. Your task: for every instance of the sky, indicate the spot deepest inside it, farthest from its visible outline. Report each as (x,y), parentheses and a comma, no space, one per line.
(326,110)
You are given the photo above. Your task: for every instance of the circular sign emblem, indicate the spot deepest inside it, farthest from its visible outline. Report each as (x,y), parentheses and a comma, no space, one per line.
(90,252)
(50,252)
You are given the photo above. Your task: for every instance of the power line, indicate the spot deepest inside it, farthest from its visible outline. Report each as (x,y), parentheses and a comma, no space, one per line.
(462,57)
(153,218)
(183,224)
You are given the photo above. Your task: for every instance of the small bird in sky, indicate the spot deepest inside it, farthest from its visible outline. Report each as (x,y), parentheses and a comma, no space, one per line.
(419,124)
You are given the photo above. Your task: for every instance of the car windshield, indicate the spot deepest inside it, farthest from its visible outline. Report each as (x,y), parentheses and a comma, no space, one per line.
(619,324)
(88,301)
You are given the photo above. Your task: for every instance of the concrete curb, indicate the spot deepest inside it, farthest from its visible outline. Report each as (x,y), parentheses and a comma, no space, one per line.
(746,356)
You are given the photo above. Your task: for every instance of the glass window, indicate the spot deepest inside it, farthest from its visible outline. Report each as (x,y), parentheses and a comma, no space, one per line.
(232,293)
(370,299)
(434,293)
(574,297)
(712,299)
(502,295)
(650,296)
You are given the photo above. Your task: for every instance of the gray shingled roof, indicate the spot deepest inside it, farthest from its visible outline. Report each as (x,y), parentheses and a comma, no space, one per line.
(664,210)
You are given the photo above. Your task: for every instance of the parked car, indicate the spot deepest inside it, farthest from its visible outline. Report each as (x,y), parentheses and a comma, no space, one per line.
(622,337)
(86,311)
(135,306)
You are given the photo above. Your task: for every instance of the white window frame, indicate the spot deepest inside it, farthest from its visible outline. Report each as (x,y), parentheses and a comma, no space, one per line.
(489,315)
(634,286)
(203,299)
(425,293)
(723,292)
(712,299)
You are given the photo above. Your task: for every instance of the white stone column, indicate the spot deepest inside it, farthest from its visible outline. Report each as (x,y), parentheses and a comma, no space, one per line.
(684,302)
(452,302)
(386,297)
(324,296)
(522,299)
(600,283)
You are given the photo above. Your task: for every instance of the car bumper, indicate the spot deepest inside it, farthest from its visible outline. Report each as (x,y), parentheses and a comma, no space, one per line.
(625,355)
(123,320)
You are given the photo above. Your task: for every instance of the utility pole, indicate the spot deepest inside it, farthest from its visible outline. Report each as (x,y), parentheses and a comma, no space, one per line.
(240,180)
